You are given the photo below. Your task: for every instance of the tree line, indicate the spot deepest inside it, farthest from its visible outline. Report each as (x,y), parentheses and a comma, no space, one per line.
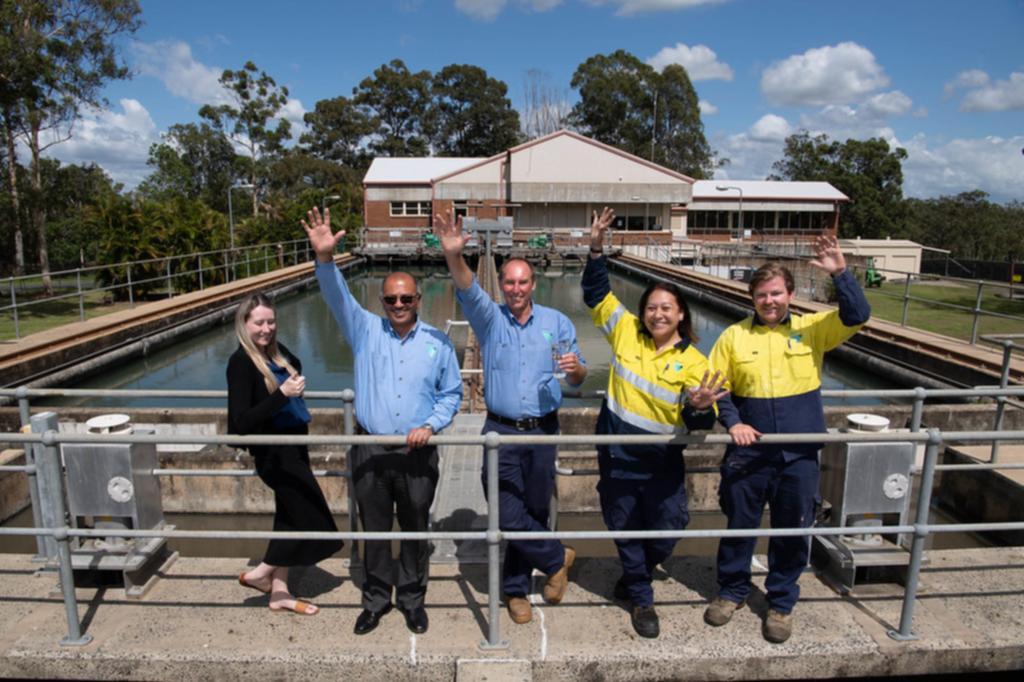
(55,58)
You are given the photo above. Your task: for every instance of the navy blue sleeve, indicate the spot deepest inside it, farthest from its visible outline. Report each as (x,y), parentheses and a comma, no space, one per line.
(595,281)
(698,421)
(854,308)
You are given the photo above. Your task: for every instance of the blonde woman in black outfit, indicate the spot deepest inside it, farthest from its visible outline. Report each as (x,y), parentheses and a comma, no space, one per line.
(265,387)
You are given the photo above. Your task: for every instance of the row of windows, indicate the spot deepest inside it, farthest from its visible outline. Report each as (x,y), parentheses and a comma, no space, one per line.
(410,208)
(767,221)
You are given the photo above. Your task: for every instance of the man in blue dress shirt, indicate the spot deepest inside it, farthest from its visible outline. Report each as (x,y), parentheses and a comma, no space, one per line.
(407,383)
(523,396)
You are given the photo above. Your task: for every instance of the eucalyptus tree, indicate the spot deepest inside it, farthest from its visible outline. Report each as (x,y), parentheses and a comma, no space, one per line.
(55,57)
(251,122)
(473,115)
(398,104)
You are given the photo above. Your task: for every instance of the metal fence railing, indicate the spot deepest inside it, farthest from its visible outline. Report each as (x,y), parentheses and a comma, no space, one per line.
(43,460)
(130,280)
(816,287)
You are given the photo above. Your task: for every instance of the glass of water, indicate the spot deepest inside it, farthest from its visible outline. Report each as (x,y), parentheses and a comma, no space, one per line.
(558,349)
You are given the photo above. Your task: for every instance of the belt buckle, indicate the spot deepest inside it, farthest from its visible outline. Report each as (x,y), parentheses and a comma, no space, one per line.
(527,424)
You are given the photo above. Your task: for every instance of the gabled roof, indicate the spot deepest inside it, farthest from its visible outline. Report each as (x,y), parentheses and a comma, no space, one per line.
(409,170)
(526,148)
(704,190)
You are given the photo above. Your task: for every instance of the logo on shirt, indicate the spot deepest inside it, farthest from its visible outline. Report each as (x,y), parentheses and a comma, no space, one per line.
(796,337)
(431,350)
(548,336)
(677,366)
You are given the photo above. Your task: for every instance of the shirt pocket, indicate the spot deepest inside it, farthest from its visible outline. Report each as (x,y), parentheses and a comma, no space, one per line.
(800,360)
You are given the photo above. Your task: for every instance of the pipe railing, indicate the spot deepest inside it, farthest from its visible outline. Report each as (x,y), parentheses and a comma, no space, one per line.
(51,523)
(161,276)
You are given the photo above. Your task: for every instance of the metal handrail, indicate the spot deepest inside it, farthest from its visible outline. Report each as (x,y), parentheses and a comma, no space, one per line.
(170,279)
(50,466)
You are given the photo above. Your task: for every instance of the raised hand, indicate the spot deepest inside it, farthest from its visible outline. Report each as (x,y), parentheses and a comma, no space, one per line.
(318,229)
(598,227)
(449,233)
(710,390)
(827,255)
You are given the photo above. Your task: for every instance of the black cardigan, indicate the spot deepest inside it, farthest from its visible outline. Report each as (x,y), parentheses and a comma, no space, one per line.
(250,405)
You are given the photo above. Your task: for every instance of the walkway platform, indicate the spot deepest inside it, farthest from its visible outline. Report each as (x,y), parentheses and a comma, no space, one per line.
(459,503)
(198,624)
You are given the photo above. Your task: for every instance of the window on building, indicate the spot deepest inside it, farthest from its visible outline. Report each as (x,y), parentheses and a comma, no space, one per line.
(410,208)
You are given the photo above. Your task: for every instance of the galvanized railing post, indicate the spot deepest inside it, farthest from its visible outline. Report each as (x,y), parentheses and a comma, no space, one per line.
(49,464)
(247,254)
(170,291)
(131,294)
(14,310)
(906,302)
(199,268)
(48,514)
(227,271)
(491,443)
(81,297)
(24,412)
(977,312)
(1004,381)
(924,502)
(348,397)
(917,413)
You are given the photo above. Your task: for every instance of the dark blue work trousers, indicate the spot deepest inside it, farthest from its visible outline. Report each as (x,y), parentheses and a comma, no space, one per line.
(526,480)
(791,491)
(657,503)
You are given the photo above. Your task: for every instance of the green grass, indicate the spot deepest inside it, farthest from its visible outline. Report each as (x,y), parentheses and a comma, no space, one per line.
(37,317)
(887,304)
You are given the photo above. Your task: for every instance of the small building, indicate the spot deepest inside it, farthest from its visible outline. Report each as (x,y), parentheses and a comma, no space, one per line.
(551,186)
(891,257)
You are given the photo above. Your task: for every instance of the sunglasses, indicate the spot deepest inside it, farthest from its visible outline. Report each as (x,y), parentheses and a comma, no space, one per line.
(406,299)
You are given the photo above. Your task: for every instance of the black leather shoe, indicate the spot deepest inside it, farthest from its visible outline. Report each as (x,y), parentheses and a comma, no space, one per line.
(416,619)
(621,592)
(645,621)
(368,620)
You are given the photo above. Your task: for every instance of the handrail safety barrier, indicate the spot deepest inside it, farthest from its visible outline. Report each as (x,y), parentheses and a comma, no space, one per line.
(261,257)
(47,463)
(707,250)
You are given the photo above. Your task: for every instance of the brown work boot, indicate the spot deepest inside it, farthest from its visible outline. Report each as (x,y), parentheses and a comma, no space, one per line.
(558,582)
(519,609)
(719,612)
(777,626)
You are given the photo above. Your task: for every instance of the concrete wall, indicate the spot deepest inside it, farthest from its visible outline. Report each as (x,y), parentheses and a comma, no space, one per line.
(576,493)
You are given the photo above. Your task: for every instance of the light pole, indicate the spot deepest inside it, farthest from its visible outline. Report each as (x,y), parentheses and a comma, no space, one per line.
(726,188)
(231,213)
(329,197)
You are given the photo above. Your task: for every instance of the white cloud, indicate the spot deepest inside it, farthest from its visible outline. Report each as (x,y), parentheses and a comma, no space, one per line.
(770,128)
(893,103)
(992,164)
(293,111)
(972,78)
(700,62)
(488,10)
(117,141)
(1005,95)
(172,63)
(835,74)
(707,108)
(628,7)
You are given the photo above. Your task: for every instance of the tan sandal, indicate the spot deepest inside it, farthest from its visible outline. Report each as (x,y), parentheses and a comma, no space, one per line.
(252,586)
(303,608)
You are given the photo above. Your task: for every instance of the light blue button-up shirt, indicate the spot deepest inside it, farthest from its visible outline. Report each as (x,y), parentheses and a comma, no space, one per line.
(519,379)
(401,383)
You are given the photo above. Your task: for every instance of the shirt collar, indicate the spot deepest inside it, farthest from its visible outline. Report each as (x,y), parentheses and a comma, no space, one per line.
(391,330)
(757,320)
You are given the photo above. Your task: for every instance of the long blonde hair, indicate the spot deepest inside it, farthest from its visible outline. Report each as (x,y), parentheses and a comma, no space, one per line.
(258,357)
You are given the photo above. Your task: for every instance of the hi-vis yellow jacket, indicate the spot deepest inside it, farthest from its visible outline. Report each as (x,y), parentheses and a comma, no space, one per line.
(775,374)
(646,388)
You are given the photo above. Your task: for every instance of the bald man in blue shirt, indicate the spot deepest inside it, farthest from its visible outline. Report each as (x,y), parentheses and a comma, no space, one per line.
(407,383)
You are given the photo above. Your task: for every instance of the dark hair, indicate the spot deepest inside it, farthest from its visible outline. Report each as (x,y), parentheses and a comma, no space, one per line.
(771,271)
(685,326)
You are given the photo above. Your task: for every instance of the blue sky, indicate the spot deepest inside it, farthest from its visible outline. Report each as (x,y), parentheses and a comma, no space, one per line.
(945,80)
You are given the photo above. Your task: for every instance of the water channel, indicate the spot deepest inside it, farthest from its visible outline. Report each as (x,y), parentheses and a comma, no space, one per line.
(305,325)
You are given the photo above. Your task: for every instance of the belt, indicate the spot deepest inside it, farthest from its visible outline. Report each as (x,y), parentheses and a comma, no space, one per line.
(525,424)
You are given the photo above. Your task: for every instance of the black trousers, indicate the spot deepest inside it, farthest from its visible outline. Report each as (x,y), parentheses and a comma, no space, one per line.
(390,479)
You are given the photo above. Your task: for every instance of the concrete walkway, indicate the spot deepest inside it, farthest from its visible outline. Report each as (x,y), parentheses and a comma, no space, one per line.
(198,623)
